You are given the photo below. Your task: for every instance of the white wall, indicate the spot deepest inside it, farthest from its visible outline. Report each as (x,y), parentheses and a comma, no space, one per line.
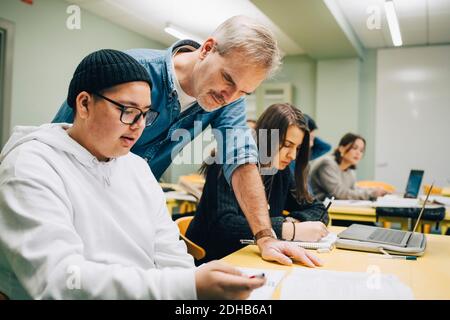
(337,98)
(46,54)
(413,114)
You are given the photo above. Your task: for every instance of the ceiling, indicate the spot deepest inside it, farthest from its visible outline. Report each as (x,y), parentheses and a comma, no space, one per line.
(320,28)
(196,17)
(422,22)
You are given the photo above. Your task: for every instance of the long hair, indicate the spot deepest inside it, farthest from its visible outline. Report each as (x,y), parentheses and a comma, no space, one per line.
(348,139)
(281,116)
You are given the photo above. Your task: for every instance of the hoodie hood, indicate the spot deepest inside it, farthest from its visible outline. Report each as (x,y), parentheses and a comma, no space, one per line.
(55,136)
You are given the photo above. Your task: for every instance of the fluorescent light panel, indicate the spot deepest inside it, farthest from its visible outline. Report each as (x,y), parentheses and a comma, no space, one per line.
(391,17)
(177,33)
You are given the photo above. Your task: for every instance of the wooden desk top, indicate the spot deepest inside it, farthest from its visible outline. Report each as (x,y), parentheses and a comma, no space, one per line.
(428,276)
(354,210)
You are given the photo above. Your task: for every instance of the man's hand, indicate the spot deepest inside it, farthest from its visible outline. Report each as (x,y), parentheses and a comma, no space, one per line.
(218,280)
(285,252)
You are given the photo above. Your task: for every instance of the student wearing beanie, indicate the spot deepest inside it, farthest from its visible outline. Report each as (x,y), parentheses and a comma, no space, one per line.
(81,217)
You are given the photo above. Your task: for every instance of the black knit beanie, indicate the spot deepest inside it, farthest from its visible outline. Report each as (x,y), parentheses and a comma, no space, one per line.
(103,69)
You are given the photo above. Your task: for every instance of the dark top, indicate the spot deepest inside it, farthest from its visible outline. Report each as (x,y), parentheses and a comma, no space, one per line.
(219,222)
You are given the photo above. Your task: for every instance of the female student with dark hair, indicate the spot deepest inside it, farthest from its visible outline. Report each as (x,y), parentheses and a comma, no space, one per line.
(334,175)
(219,222)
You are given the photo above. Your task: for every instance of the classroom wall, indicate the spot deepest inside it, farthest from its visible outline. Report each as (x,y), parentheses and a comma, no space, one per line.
(345,102)
(46,54)
(337,98)
(366,115)
(300,71)
(412,114)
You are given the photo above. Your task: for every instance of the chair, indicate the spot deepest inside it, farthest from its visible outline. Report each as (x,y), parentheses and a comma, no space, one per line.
(373,184)
(436,190)
(193,249)
(446,192)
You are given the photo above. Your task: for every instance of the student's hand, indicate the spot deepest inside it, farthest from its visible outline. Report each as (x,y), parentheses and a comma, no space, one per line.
(310,231)
(284,252)
(379,192)
(218,280)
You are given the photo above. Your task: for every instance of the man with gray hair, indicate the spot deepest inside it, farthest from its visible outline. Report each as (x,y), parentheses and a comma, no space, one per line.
(195,86)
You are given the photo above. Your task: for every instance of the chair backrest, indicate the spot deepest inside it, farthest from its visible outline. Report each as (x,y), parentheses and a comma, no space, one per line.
(373,184)
(436,190)
(195,250)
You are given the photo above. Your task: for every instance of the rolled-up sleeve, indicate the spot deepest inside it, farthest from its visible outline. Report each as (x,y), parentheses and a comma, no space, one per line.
(236,145)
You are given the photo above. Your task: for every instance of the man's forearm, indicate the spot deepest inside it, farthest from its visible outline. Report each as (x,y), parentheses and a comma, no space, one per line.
(249,191)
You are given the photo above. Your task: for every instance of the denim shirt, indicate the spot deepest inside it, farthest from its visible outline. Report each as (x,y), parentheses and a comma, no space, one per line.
(172,130)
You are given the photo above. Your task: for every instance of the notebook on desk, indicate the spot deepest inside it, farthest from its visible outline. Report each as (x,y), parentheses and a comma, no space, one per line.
(326,242)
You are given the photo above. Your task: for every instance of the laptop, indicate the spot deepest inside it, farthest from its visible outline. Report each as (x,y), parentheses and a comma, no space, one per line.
(409,198)
(383,235)
(413,185)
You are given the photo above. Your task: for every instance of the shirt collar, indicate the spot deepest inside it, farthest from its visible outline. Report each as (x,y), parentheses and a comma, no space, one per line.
(169,57)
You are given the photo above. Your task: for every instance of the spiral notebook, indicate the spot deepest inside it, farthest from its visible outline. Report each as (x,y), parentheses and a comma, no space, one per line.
(326,242)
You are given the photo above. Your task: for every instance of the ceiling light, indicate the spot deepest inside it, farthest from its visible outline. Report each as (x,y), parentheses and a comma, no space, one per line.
(179,34)
(393,23)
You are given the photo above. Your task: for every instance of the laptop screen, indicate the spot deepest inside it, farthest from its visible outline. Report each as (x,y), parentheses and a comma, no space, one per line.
(414,182)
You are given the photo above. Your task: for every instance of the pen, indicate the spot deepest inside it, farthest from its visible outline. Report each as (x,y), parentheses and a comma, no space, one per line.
(261,275)
(326,209)
(388,256)
(329,204)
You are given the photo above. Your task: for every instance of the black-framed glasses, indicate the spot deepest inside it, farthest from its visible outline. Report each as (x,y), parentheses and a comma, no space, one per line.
(131,115)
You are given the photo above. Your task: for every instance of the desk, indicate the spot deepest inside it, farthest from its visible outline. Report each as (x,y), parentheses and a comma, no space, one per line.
(428,277)
(365,214)
(445,224)
(368,214)
(178,201)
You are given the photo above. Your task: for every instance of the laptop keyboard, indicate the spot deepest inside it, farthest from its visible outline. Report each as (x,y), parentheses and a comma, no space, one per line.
(387,236)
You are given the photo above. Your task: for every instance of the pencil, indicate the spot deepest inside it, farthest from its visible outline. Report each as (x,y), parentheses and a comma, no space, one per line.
(326,209)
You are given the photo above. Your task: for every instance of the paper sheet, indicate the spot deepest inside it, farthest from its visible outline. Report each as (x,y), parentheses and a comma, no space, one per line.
(352,203)
(179,195)
(273,278)
(309,284)
(390,200)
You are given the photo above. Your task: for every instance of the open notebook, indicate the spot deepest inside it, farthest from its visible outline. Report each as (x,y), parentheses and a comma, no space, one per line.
(324,243)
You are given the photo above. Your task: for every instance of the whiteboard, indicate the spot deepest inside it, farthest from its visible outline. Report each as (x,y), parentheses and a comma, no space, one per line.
(413,115)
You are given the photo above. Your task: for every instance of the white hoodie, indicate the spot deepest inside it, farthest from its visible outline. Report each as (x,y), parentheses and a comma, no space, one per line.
(72,227)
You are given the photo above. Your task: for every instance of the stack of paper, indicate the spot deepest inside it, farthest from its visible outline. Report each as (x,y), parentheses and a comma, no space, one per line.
(352,203)
(438,199)
(396,202)
(273,277)
(322,284)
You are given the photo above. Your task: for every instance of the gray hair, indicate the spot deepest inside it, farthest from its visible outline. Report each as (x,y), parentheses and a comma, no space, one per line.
(250,38)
